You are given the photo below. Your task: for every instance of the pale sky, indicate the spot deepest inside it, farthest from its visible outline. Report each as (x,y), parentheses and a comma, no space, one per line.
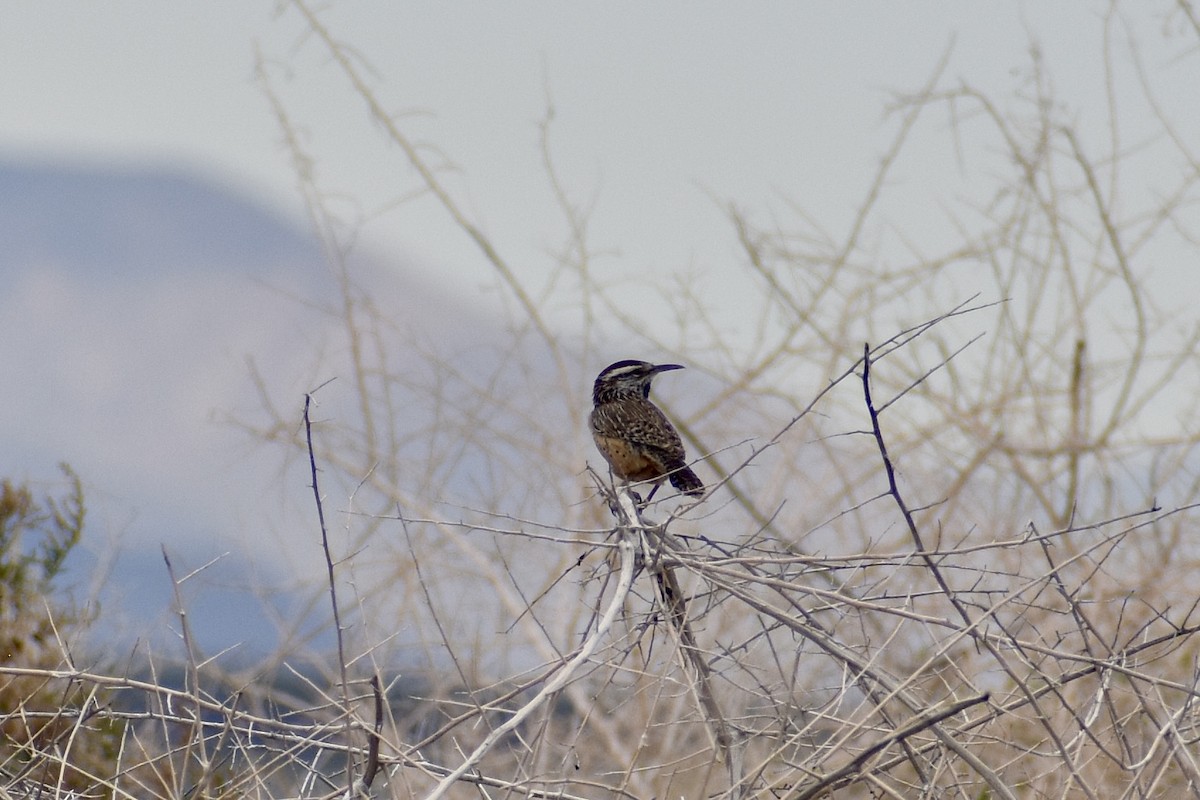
(662,109)
(663,113)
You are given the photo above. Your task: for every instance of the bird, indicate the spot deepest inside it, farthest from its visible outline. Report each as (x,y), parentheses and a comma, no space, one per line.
(634,435)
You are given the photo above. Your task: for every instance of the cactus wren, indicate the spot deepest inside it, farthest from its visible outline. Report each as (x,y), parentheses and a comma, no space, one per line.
(632,434)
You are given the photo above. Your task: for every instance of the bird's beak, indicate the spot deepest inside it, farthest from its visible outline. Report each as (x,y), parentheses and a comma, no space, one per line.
(666,367)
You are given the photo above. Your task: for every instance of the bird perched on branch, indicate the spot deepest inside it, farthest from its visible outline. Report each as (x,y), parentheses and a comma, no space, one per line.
(634,436)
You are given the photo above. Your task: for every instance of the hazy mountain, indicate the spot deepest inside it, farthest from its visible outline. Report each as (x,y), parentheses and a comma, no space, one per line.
(132,299)
(138,222)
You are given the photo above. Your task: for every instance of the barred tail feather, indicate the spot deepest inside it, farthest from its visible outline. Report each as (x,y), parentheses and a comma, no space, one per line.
(683,479)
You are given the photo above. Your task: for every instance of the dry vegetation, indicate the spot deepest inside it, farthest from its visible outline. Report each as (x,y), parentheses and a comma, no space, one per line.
(956,562)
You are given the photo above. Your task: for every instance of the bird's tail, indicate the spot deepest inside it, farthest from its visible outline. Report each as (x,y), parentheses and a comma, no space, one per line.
(683,479)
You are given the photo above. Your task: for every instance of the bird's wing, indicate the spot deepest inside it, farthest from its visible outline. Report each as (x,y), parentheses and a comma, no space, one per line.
(640,423)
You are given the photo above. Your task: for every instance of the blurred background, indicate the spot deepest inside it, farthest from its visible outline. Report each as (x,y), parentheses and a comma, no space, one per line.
(184,192)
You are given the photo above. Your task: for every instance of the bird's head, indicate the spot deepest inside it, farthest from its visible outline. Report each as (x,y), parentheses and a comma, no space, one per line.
(627,378)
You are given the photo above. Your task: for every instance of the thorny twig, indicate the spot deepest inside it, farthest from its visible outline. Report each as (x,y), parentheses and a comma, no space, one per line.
(333,599)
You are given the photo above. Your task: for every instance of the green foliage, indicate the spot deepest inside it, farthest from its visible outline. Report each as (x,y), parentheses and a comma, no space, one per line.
(39,712)
(35,538)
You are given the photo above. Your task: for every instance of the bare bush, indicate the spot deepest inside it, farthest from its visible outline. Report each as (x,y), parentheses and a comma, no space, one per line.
(953,562)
